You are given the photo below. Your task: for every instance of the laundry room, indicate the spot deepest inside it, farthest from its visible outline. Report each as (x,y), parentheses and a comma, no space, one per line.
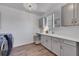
(39,29)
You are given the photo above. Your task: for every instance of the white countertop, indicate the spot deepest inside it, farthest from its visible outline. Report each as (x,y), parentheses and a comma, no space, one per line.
(63,36)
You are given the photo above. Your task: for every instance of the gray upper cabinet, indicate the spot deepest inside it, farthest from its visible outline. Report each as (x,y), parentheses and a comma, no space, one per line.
(50,22)
(46,24)
(77,14)
(42,23)
(67,15)
(57,18)
(70,14)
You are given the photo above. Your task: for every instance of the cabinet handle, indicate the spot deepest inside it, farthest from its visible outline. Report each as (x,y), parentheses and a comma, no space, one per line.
(46,40)
(61,47)
(55,40)
(75,21)
(72,21)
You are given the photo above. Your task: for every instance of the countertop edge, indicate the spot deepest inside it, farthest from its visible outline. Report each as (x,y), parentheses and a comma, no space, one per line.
(60,36)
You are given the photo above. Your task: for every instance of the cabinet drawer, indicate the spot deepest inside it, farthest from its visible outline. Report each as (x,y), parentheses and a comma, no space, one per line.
(70,42)
(68,50)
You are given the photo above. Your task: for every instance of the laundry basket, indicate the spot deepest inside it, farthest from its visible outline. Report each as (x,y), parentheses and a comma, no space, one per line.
(37,39)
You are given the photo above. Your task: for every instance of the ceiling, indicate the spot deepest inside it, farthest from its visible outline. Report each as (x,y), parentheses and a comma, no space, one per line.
(42,8)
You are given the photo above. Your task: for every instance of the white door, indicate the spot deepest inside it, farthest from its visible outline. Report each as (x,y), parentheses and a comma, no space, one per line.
(68,50)
(56,46)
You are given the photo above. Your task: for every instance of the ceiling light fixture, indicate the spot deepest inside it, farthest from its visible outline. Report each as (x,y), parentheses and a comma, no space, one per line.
(30,6)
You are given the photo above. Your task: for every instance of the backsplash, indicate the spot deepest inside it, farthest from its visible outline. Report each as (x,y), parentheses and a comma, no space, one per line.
(69,31)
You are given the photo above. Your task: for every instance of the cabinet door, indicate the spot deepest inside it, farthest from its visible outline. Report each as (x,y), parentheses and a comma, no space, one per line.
(48,43)
(41,23)
(56,46)
(76,21)
(43,40)
(68,50)
(57,18)
(68,14)
(50,22)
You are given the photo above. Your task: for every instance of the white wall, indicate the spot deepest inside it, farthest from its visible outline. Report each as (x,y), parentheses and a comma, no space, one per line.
(21,24)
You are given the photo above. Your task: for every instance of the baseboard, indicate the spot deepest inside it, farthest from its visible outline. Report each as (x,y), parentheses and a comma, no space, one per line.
(22,44)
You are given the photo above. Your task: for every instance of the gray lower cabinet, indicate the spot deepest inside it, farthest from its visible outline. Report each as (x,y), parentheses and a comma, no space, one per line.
(68,50)
(43,40)
(55,46)
(60,47)
(46,41)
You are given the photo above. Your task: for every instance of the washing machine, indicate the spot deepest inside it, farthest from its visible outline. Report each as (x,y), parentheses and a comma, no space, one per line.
(6,44)
(3,46)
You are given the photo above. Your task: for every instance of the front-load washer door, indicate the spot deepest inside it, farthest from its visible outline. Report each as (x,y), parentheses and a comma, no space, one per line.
(4,47)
